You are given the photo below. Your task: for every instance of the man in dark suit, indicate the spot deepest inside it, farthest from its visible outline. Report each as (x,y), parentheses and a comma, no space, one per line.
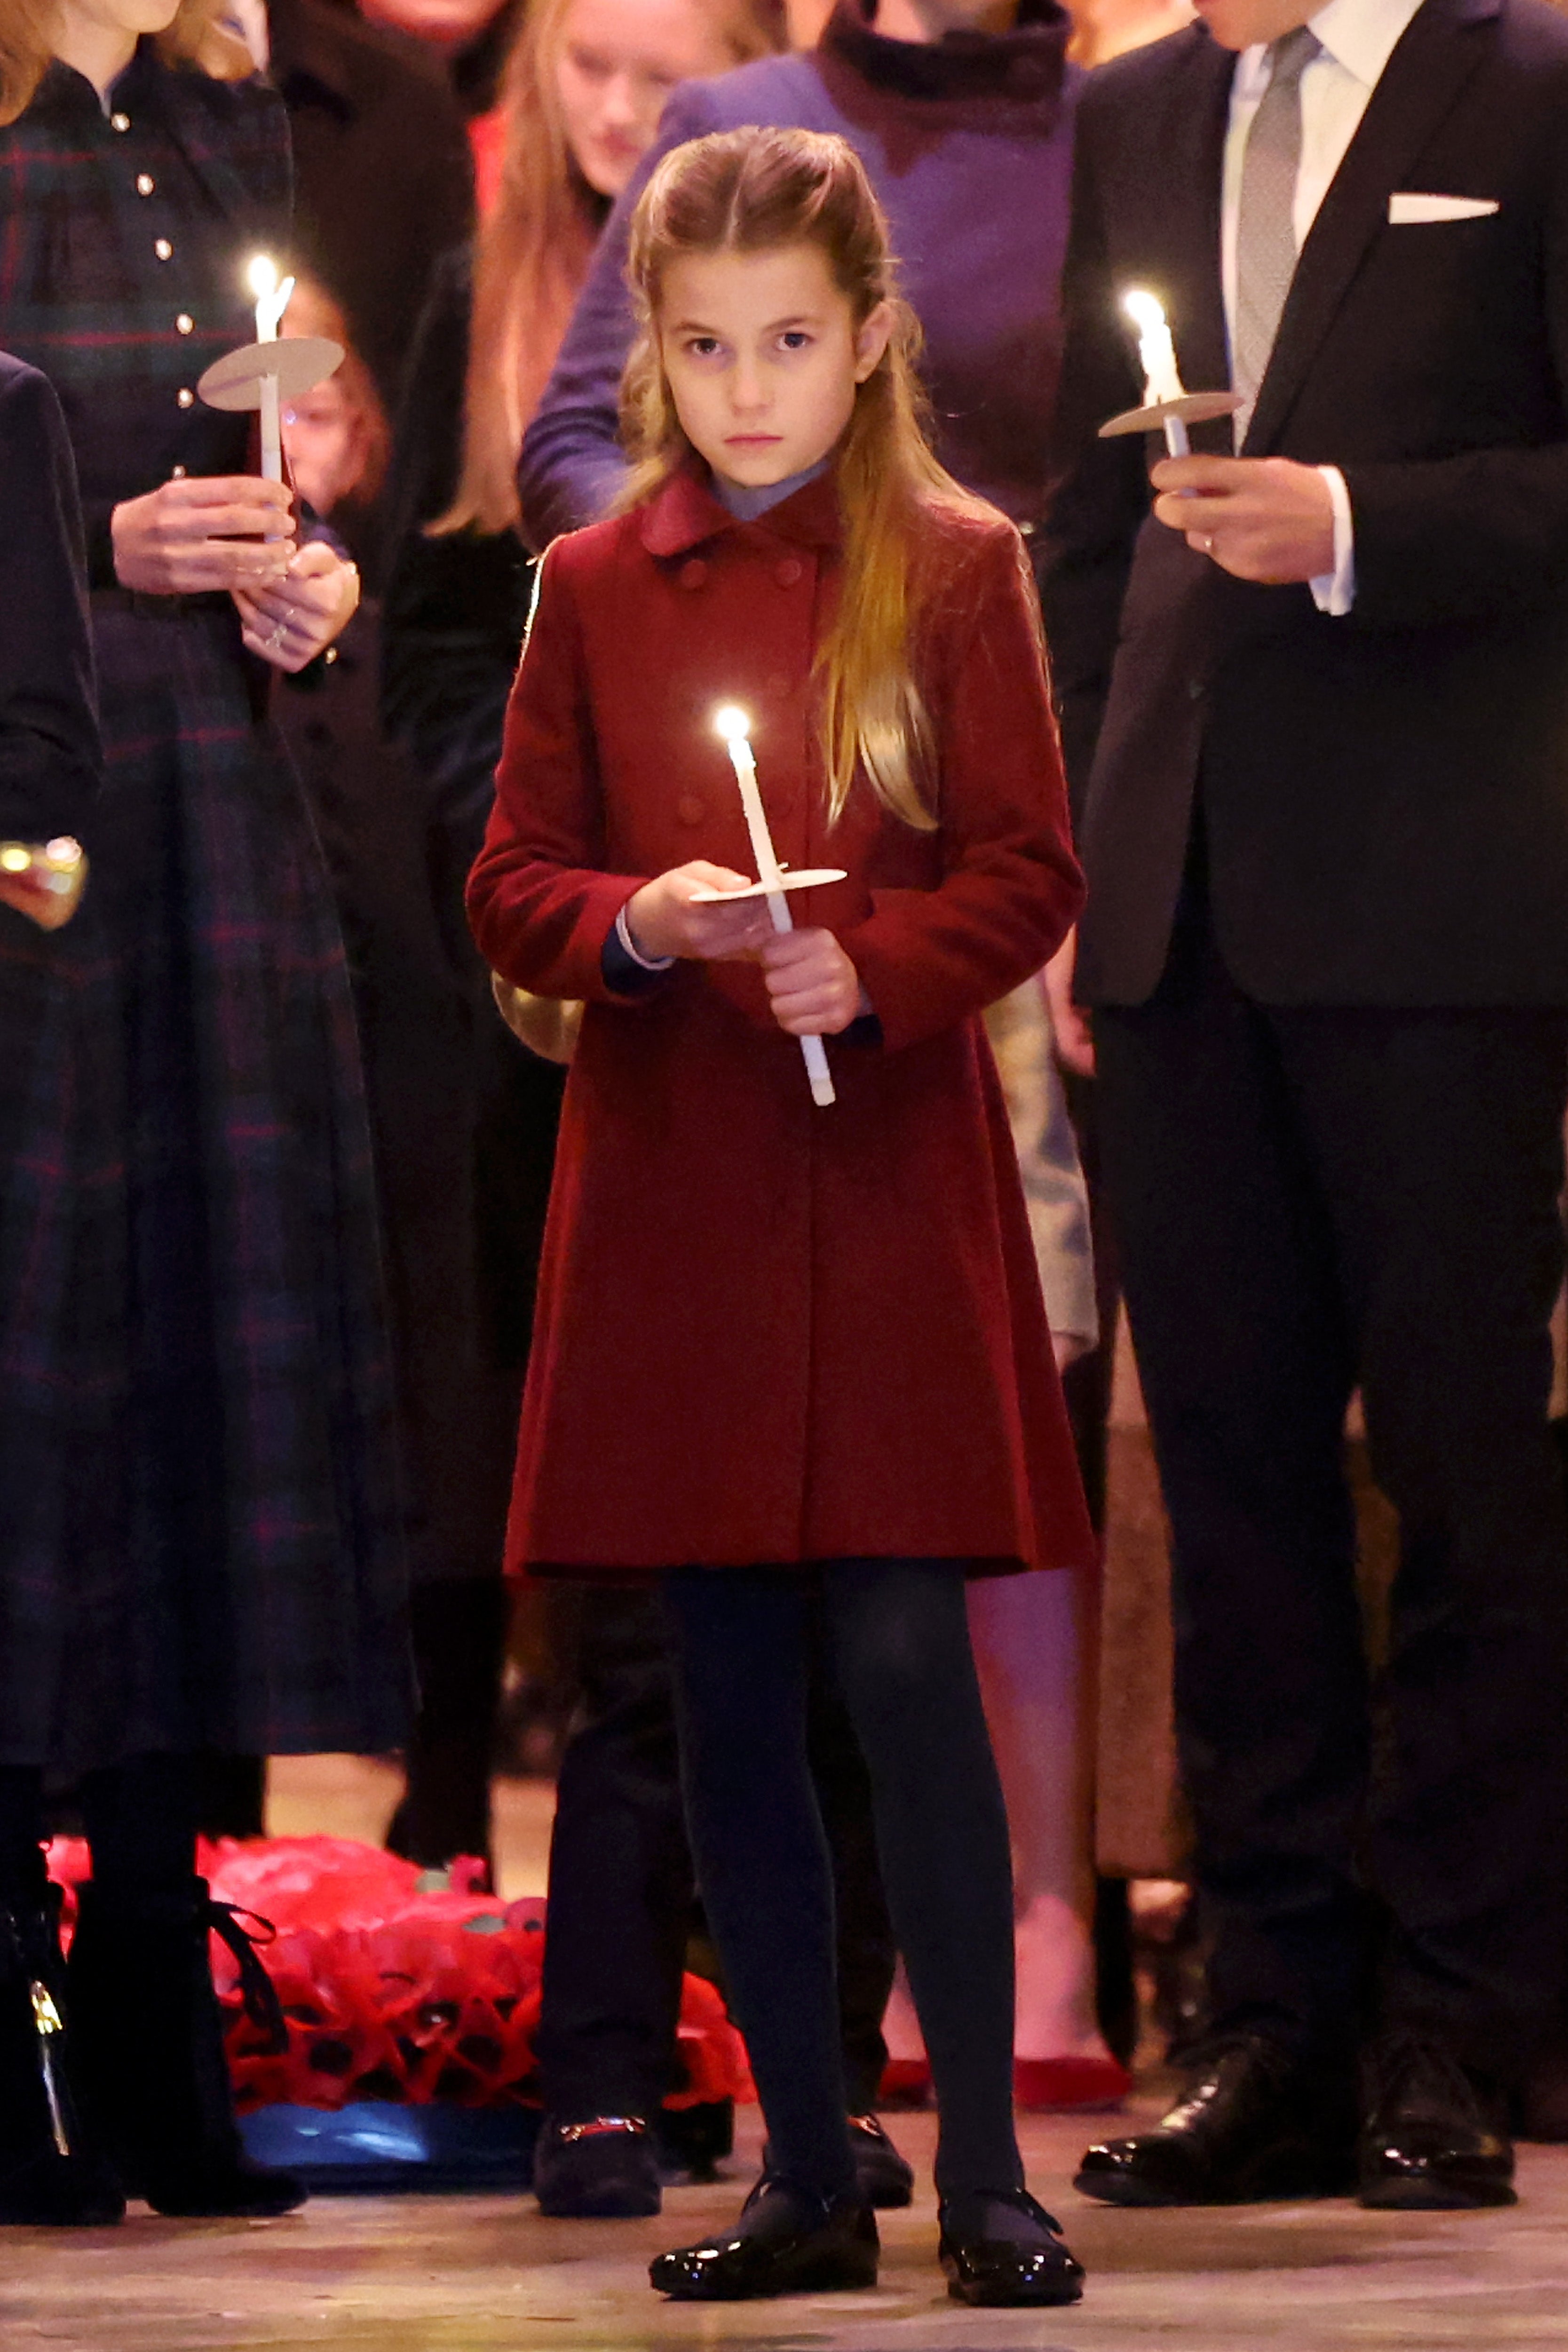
(1315,699)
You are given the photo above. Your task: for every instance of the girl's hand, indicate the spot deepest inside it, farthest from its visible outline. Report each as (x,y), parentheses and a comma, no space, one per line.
(290,624)
(1071,1034)
(188,538)
(663,920)
(815,988)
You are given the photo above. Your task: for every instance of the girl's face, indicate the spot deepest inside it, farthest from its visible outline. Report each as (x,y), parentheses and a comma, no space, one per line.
(322,445)
(762,357)
(89,25)
(618,62)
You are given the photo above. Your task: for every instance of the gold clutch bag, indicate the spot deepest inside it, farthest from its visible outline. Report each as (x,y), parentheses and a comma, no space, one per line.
(548,1026)
(44,880)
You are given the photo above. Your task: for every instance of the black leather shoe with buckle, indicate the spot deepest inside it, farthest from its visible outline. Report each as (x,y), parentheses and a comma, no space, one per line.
(1003,2249)
(602,2169)
(1435,2137)
(787,2242)
(1253,2122)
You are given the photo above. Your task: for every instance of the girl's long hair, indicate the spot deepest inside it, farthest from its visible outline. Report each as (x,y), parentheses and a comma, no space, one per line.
(29,28)
(752,191)
(533,249)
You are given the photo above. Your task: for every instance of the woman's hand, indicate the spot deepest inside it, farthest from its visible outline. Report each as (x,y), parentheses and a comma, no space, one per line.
(815,988)
(1071,1033)
(189,537)
(290,624)
(663,920)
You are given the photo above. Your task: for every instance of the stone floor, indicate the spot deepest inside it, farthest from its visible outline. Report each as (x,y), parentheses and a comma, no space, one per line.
(477,2275)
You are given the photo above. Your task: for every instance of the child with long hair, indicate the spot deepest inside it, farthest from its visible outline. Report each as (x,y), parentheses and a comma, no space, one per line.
(792,1360)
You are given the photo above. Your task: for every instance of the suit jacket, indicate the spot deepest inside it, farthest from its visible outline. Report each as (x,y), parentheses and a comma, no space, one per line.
(1384,796)
(382,180)
(49,754)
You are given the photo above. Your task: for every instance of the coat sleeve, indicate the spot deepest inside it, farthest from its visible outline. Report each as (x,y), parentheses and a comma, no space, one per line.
(571,464)
(1011,890)
(539,901)
(49,754)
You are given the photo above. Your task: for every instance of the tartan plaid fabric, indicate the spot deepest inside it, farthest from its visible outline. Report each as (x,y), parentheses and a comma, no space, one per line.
(200,1538)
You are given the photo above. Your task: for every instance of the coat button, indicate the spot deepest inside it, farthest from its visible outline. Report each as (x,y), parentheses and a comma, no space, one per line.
(120,122)
(691,809)
(184,323)
(186,397)
(177,473)
(694,573)
(145,184)
(789,572)
(163,248)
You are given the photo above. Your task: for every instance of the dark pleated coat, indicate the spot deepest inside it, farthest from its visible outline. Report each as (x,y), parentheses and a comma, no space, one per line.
(216,1558)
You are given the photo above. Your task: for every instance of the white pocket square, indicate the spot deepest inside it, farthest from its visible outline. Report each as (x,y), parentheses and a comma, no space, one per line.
(1409,212)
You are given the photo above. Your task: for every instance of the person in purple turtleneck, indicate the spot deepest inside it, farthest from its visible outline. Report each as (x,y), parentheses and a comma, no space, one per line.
(962,110)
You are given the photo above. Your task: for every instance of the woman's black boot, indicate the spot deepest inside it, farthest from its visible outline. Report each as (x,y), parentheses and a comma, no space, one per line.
(151,2059)
(49,2176)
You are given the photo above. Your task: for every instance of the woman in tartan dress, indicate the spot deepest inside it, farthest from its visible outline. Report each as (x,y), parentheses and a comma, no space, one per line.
(210,1558)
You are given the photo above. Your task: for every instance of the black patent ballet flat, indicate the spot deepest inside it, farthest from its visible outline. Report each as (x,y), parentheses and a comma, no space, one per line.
(992,2272)
(785,2242)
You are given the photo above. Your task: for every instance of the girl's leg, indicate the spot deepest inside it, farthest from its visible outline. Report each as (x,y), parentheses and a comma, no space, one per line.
(901,1643)
(1028,1636)
(740,1648)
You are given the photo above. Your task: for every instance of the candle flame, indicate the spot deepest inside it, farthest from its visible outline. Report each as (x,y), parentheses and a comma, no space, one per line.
(732,722)
(263,277)
(1145,311)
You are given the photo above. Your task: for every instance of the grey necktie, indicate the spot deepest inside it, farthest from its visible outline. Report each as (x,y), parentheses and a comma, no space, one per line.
(1265,229)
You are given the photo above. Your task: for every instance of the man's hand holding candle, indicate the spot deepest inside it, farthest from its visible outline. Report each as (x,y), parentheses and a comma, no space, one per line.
(1267,520)
(816,990)
(188,538)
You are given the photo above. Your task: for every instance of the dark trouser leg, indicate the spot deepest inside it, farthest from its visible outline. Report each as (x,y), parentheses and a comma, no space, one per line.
(22,1834)
(620,1876)
(867,1955)
(459,1626)
(1437,1143)
(901,1642)
(1228,1266)
(741,1646)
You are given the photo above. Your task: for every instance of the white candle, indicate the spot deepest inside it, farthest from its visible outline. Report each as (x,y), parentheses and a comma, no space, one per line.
(271,301)
(736,728)
(1156,351)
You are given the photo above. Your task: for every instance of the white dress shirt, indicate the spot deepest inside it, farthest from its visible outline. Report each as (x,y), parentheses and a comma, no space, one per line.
(1356,39)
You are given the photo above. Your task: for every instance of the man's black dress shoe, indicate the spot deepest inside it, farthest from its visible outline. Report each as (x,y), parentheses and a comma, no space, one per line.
(1435,2138)
(787,2242)
(1006,2250)
(1251,2125)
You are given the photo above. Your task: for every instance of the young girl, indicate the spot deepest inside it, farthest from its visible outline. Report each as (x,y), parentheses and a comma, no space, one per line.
(788,1354)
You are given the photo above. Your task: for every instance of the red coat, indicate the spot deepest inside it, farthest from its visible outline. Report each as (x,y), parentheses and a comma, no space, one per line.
(769,1333)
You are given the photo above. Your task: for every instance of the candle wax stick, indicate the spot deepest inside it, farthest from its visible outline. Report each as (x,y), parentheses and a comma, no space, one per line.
(768,873)
(271,431)
(1176,442)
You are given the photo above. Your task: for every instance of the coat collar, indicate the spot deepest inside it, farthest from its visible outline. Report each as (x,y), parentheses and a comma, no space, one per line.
(684,513)
(1422,80)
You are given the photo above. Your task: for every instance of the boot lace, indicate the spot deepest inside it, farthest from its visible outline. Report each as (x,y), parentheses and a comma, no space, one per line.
(259,1994)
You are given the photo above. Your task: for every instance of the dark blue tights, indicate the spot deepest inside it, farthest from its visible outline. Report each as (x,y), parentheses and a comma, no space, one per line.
(898,1638)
